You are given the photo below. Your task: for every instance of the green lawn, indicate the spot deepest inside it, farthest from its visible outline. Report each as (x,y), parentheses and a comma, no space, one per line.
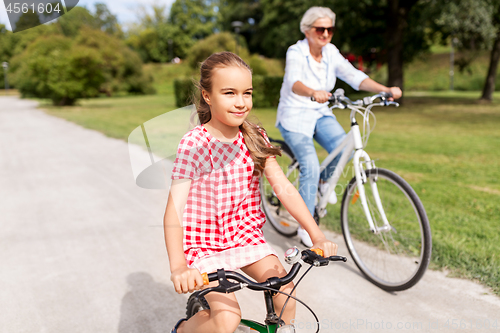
(444,144)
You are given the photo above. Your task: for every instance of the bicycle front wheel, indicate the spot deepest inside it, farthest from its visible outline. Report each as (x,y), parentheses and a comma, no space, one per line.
(275,212)
(195,304)
(397,258)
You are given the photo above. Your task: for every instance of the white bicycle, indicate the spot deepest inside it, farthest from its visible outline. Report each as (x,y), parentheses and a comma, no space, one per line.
(383,221)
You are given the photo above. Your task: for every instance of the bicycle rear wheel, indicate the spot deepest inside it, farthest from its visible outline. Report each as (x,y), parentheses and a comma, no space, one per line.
(396,259)
(275,212)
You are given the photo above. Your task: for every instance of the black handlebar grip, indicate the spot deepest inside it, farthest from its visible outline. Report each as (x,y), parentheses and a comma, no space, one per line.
(337,258)
(387,94)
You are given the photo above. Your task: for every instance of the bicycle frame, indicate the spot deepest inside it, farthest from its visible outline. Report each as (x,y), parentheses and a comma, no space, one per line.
(259,327)
(353,141)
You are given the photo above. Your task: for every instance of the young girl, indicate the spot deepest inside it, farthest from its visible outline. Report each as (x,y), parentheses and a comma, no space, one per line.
(213,217)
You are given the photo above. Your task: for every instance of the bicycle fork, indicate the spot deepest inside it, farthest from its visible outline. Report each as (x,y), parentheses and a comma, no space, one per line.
(361,179)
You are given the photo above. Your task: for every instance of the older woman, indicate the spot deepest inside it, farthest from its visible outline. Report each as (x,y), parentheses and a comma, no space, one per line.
(312,67)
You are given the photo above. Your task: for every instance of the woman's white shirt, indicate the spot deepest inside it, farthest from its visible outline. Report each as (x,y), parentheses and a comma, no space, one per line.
(298,113)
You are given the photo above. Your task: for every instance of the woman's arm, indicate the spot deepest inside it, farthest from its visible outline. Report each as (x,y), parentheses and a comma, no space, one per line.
(301,89)
(372,86)
(183,278)
(293,202)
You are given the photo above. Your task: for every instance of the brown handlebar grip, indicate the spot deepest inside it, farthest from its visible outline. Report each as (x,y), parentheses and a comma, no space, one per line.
(205,279)
(318,252)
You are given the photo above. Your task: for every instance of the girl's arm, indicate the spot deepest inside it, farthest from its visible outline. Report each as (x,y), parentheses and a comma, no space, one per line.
(184,279)
(293,202)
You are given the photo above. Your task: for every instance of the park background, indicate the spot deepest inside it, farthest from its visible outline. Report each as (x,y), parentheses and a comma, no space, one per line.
(90,69)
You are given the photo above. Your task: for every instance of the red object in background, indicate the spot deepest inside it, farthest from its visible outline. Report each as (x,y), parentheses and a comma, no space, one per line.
(360,63)
(350,57)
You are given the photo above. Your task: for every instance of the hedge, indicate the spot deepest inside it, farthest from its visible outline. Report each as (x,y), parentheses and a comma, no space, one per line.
(266,91)
(184,90)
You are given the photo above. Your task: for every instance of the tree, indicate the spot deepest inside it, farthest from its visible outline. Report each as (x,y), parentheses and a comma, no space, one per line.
(250,13)
(48,68)
(27,20)
(468,23)
(64,69)
(215,43)
(489,85)
(160,37)
(395,28)
(102,19)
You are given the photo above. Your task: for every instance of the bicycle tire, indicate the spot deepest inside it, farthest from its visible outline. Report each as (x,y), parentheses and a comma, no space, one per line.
(275,212)
(397,259)
(195,304)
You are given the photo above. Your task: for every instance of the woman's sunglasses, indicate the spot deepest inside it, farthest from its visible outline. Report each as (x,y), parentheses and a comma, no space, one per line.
(321,30)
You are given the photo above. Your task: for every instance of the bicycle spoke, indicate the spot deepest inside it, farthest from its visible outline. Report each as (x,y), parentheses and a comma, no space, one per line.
(390,258)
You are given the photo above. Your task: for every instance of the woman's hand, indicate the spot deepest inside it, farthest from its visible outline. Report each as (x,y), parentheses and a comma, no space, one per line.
(329,248)
(321,96)
(396,92)
(186,279)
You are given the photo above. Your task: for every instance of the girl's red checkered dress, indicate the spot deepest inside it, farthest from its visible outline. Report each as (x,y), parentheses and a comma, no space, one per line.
(222,219)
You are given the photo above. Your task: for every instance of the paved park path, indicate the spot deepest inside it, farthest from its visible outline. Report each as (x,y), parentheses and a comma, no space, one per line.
(82,250)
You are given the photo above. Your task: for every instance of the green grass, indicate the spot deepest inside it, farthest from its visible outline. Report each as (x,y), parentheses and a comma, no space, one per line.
(431,73)
(444,144)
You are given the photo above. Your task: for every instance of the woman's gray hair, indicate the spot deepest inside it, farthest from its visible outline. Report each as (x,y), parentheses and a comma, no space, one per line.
(314,13)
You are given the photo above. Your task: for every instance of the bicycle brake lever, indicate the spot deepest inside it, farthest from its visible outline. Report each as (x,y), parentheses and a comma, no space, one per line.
(337,258)
(224,285)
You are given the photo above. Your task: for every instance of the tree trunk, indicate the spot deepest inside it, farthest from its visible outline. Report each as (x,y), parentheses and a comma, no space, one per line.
(397,14)
(394,37)
(489,86)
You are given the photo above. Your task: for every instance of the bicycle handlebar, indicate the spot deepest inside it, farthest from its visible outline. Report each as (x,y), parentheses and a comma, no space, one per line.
(311,257)
(338,97)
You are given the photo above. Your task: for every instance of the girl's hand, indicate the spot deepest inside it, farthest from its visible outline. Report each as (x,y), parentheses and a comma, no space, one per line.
(329,248)
(321,96)
(186,279)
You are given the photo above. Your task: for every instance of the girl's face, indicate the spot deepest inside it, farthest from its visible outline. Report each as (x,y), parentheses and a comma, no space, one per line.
(230,100)
(320,37)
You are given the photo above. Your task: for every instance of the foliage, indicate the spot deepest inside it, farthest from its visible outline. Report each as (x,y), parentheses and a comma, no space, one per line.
(27,20)
(51,68)
(470,21)
(122,67)
(266,90)
(102,19)
(63,70)
(215,43)
(160,38)
(185,91)
(195,18)
(7,43)
(469,24)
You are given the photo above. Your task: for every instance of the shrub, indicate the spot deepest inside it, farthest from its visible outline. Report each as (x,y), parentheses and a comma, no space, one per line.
(223,41)
(63,70)
(184,90)
(266,91)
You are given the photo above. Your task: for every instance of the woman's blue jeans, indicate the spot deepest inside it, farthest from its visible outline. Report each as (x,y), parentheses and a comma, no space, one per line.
(329,134)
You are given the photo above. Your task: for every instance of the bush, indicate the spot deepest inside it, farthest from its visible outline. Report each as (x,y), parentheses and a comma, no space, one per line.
(266,91)
(223,41)
(184,92)
(63,70)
